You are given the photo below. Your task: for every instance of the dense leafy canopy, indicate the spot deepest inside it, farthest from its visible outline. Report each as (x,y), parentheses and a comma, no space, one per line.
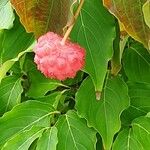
(106,106)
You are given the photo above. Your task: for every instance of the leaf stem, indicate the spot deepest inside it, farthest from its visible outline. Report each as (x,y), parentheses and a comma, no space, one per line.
(73,20)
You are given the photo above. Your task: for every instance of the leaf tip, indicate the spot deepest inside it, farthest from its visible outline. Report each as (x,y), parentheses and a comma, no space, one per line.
(98,95)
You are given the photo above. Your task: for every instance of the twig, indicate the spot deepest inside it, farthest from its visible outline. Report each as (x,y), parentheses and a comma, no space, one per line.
(74,18)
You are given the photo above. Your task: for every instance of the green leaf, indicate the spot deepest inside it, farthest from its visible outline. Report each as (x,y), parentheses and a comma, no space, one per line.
(42,16)
(40,85)
(4,68)
(49,140)
(73,133)
(130,14)
(8,17)
(146,12)
(10,93)
(126,141)
(13,44)
(22,141)
(135,138)
(119,45)
(136,62)
(140,101)
(52,99)
(141,131)
(95,31)
(23,117)
(14,41)
(103,115)
(117,55)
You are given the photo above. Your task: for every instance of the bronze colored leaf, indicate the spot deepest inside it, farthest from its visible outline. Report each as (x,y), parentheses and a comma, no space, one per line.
(41,16)
(129,12)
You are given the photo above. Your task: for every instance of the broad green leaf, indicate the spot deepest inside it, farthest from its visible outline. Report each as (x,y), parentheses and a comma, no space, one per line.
(42,16)
(23,140)
(95,31)
(4,68)
(73,133)
(23,117)
(52,99)
(103,115)
(141,131)
(137,137)
(7,17)
(126,141)
(130,13)
(40,85)
(140,101)
(14,41)
(136,62)
(49,140)
(130,114)
(146,12)
(140,96)
(10,93)
(3,3)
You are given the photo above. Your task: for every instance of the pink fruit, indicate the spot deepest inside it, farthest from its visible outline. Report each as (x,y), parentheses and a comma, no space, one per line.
(58,61)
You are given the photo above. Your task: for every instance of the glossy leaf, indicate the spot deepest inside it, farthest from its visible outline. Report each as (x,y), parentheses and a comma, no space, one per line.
(95,30)
(10,93)
(23,117)
(49,140)
(8,17)
(146,11)
(125,11)
(103,115)
(22,141)
(136,62)
(75,133)
(42,16)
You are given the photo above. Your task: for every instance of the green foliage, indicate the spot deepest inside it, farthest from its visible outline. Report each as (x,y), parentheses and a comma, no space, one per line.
(96,33)
(23,138)
(135,138)
(106,106)
(114,100)
(10,93)
(48,140)
(73,130)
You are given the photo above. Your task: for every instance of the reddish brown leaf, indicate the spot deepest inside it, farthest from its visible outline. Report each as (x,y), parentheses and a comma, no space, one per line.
(129,12)
(41,16)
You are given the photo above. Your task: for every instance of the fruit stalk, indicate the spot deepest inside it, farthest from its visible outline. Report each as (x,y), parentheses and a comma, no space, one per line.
(73,20)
